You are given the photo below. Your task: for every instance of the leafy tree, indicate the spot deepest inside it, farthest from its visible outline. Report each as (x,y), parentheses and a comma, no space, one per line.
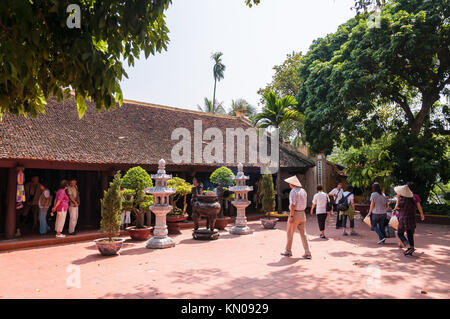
(241,105)
(405,64)
(40,55)
(267,194)
(209,107)
(218,70)
(182,189)
(136,180)
(285,82)
(111,208)
(274,114)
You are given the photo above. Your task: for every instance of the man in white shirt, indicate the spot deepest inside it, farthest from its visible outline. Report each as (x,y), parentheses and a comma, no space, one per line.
(337,195)
(320,200)
(297,217)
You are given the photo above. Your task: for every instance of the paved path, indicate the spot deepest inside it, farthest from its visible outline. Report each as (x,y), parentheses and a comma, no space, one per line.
(247,266)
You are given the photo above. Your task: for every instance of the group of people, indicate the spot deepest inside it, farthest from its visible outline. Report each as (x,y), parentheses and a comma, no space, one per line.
(343,204)
(38,200)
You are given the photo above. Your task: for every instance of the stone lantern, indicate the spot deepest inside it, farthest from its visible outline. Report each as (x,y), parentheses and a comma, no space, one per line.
(241,202)
(160,208)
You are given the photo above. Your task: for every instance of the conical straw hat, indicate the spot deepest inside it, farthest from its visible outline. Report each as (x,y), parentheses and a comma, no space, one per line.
(293,180)
(403,191)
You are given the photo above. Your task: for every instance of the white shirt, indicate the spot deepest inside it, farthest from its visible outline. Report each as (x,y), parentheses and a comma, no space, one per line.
(320,200)
(350,198)
(337,192)
(298,197)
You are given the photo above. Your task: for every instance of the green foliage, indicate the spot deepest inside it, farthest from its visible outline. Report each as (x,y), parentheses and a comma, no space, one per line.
(267,193)
(41,56)
(436,209)
(368,164)
(208,107)
(182,188)
(276,111)
(111,208)
(136,180)
(222,176)
(243,106)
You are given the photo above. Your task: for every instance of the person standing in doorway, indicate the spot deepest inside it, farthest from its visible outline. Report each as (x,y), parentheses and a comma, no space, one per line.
(74,203)
(377,212)
(61,206)
(33,192)
(45,200)
(349,213)
(297,216)
(320,201)
(336,193)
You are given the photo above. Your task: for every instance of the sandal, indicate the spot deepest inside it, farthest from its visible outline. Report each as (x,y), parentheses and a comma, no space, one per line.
(286,254)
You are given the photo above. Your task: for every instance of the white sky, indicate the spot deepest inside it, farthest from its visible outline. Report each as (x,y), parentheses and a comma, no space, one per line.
(252,40)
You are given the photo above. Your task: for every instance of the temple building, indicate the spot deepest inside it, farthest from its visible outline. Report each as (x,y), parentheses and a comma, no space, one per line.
(58,145)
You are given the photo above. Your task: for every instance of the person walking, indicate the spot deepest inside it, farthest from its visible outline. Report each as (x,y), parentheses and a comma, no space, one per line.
(45,200)
(297,217)
(320,201)
(61,206)
(377,212)
(406,205)
(74,203)
(349,199)
(336,193)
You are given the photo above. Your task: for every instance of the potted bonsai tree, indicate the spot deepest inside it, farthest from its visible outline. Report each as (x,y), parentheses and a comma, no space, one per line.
(111,208)
(136,180)
(222,177)
(268,201)
(177,215)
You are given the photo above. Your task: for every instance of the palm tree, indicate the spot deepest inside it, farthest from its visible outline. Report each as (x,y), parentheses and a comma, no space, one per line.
(218,70)
(274,114)
(242,106)
(209,107)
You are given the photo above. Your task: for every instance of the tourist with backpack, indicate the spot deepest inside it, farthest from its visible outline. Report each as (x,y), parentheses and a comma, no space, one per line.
(346,206)
(337,195)
(321,202)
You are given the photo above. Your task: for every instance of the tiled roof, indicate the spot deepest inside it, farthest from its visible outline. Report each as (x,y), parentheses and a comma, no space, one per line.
(136,133)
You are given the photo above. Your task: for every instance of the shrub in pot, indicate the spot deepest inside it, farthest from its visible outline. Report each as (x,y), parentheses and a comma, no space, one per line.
(268,201)
(111,208)
(135,181)
(177,215)
(222,177)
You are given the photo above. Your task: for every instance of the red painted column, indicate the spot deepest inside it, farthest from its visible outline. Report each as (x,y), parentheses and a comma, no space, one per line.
(10,220)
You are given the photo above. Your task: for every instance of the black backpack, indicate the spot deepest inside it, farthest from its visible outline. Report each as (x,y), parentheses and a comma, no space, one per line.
(342,205)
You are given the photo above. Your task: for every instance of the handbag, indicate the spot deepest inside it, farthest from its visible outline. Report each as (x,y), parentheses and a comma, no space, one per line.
(368,221)
(393,222)
(329,206)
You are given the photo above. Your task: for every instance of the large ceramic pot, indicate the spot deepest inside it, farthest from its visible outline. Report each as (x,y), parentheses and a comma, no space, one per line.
(173,223)
(269,223)
(139,234)
(221,223)
(109,248)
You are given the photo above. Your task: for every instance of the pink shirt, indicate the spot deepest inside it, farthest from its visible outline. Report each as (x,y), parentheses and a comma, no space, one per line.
(62,196)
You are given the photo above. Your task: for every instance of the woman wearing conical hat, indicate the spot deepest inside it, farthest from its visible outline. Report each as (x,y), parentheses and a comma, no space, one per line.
(406,204)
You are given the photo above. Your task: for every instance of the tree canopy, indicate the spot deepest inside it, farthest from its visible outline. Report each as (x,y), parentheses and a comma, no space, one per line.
(352,79)
(40,55)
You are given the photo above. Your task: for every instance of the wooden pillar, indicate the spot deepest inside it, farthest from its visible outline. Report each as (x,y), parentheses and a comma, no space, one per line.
(104,178)
(10,218)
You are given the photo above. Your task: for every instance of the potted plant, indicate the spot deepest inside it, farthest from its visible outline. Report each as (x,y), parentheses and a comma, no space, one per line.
(222,177)
(177,215)
(135,181)
(268,201)
(111,208)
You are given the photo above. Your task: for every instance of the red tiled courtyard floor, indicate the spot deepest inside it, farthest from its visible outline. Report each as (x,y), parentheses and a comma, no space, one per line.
(247,266)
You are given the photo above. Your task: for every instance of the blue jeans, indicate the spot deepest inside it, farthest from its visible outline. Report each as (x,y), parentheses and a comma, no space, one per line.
(344,222)
(43,227)
(378,224)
